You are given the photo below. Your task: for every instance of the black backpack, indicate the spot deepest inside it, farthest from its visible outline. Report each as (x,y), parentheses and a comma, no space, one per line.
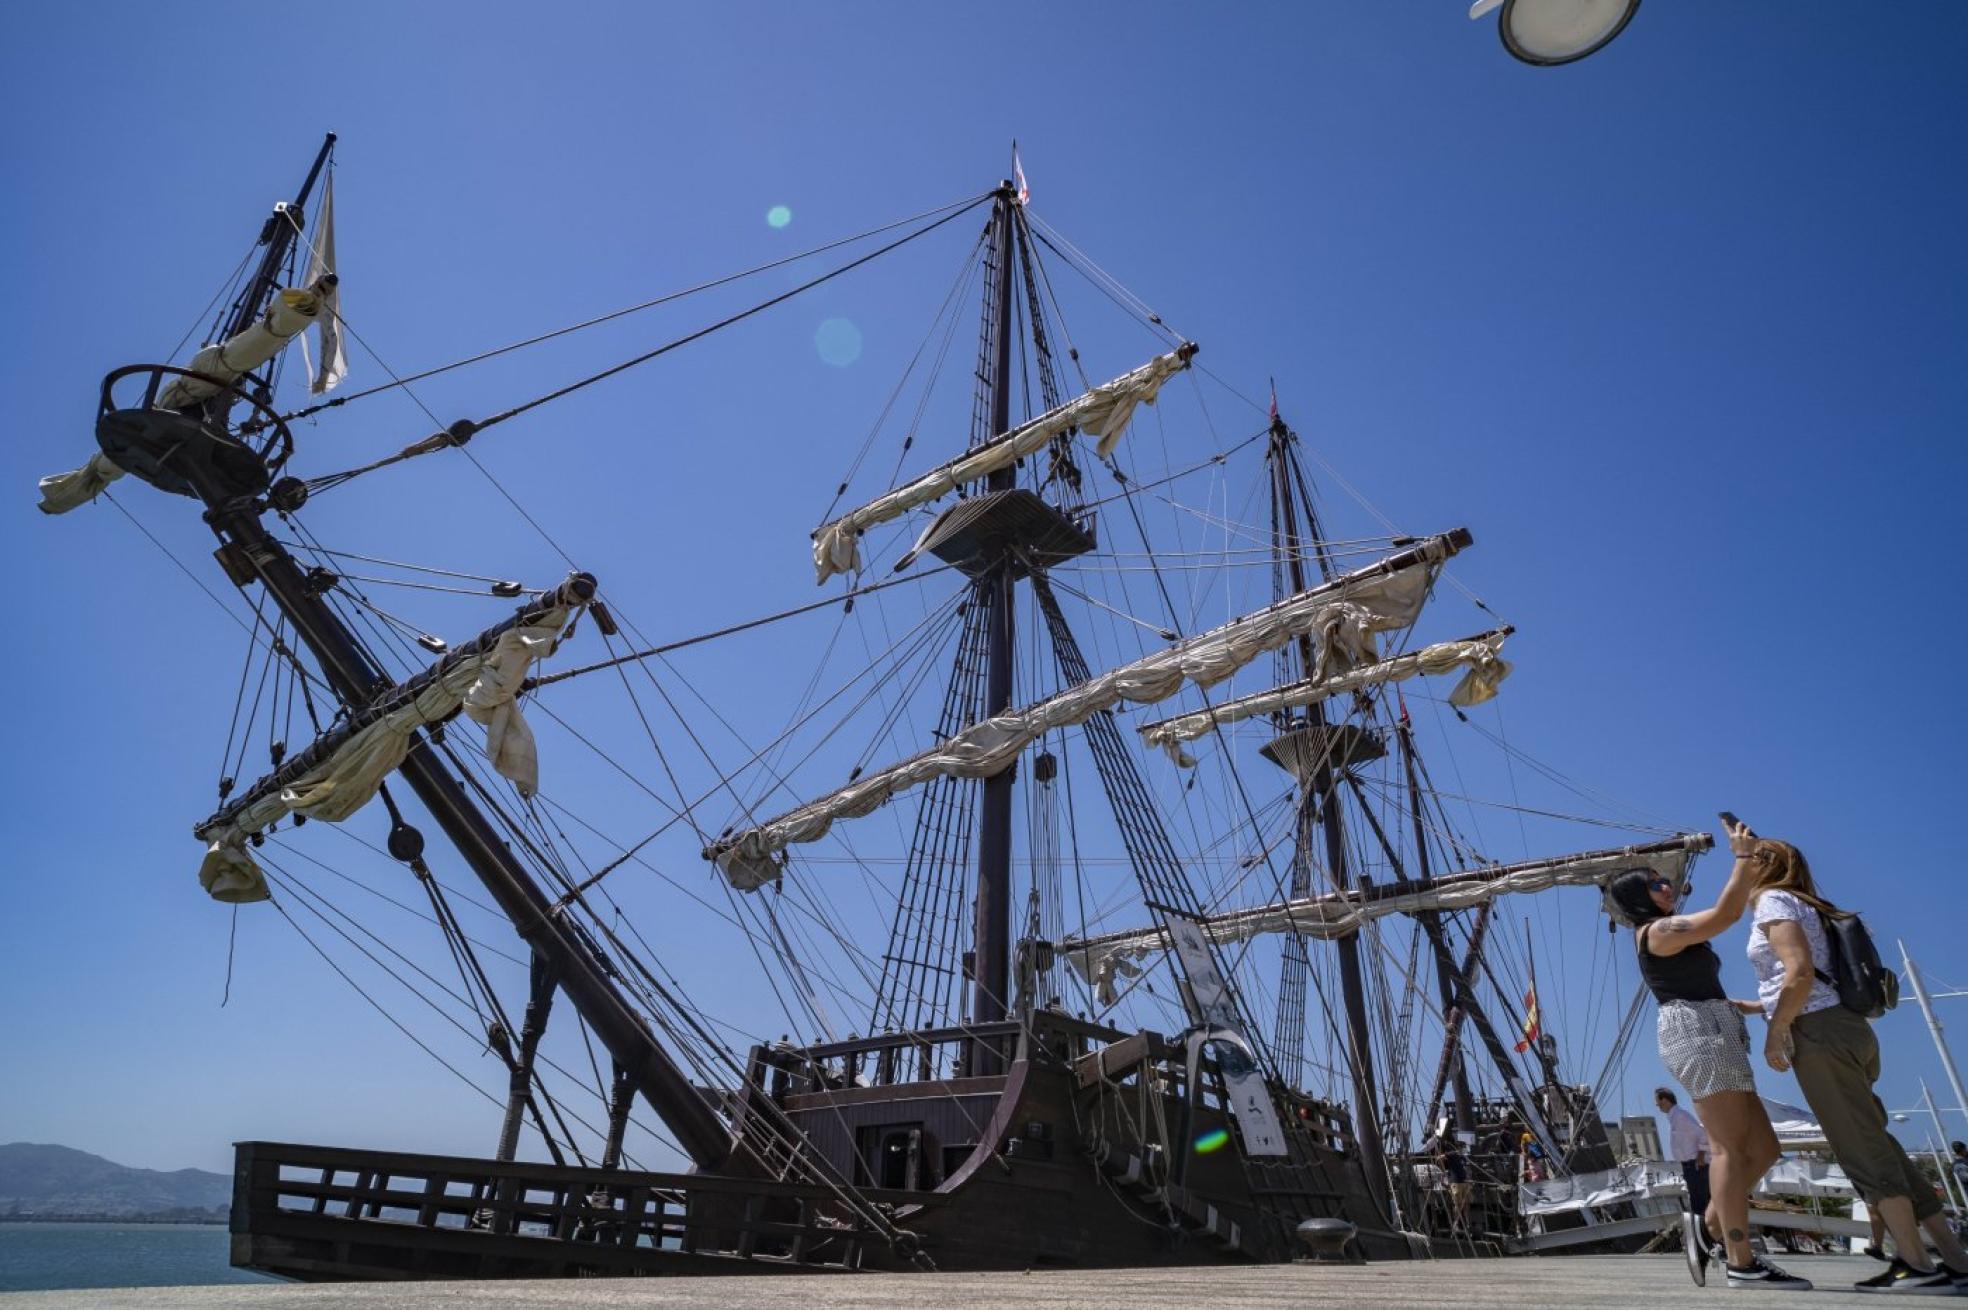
(1864,985)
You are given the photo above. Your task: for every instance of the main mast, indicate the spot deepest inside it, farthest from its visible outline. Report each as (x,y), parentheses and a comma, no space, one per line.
(991,967)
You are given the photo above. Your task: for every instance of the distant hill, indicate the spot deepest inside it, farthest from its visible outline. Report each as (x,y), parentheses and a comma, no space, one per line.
(59,1180)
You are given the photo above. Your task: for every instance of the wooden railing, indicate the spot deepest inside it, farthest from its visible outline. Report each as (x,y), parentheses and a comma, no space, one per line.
(803,1224)
(920,1055)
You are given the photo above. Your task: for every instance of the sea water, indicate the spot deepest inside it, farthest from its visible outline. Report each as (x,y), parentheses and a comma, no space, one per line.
(44,1257)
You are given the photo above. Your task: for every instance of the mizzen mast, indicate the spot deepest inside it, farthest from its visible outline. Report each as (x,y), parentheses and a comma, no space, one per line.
(1316,752)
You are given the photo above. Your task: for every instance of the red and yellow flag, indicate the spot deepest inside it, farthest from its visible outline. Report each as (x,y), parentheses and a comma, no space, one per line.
(1531,1028)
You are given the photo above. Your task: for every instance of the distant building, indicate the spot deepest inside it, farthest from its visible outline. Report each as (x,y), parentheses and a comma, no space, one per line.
(1639,1138)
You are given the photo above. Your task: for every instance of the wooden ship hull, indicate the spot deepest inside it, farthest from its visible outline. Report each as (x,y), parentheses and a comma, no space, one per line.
(1037,1166)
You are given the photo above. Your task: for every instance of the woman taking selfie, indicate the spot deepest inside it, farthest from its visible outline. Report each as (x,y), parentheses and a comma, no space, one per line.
(1836,1059)
(1705,1045)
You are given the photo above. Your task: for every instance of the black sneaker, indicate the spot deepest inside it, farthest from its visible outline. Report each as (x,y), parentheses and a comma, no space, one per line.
(1877,1253)
(1694,1245)
(1903,1277)
(1764,1276)
(1960,1276)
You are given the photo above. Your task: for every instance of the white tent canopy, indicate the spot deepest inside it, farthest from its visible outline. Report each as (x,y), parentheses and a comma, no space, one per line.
(1801,1176)
(1797,1128)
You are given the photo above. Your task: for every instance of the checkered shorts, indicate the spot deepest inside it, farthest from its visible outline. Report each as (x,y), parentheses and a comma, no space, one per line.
(1705,1045)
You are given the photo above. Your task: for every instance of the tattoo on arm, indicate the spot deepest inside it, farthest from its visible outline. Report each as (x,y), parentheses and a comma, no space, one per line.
(1675,923)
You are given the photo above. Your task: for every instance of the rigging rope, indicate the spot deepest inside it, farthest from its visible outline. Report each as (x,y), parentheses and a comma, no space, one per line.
(654,651)
(664,299)
(457,434)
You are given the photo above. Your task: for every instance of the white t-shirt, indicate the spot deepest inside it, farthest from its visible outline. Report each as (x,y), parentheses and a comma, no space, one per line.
(1771,906)
(1686,1137)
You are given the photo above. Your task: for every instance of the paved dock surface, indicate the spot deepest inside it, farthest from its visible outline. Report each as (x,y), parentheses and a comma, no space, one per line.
(1657,1282)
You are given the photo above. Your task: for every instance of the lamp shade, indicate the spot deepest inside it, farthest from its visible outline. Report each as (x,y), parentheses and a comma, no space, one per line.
(1549,32)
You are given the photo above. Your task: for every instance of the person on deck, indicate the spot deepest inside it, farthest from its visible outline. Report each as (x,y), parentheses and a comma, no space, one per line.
(1687,1143)
(1455,1169)
(1705,1045)
(1836,1058)
(1531,1167)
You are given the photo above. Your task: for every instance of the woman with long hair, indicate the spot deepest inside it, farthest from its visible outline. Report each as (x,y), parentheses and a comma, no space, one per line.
(1835,1056)
(1705,1045)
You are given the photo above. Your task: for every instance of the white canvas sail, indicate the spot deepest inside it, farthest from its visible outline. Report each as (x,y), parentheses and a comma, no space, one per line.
(333,364)
(1101,413)
(253,345)
(1104,959)
(1477,655)
(1342,616)
(483,684)
(62,492)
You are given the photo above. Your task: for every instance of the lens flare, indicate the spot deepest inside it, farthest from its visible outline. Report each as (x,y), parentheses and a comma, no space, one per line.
(779,215)
(1214,1140)
(838,341)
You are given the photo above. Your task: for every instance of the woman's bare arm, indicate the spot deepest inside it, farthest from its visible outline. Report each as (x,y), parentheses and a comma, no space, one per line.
(1677,932)
(1787,939)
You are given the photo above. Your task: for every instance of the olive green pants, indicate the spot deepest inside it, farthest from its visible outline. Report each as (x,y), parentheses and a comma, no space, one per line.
(1836,1059)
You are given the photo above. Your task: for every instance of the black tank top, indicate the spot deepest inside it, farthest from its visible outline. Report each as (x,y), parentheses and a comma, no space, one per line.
(1691,974)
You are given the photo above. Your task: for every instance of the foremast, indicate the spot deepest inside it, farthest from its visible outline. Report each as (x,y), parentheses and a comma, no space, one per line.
(195,450)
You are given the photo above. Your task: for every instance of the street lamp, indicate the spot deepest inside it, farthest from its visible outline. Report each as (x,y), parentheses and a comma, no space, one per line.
(1550,32)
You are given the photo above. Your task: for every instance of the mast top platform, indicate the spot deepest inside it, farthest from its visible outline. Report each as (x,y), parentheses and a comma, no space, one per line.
(1014,526)
(164,446)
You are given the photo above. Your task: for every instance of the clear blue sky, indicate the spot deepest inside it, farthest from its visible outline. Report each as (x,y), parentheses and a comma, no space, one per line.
(1678,331)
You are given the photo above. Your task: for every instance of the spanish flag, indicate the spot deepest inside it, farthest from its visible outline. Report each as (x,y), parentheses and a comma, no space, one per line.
(1531,1028)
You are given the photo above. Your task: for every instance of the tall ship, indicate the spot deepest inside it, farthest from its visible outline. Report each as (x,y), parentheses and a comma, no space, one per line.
(1069,888)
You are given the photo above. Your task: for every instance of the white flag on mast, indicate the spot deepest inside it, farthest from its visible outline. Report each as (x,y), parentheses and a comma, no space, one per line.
(334,362)
(1018,176)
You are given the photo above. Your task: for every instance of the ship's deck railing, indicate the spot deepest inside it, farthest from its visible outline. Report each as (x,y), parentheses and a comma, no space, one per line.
(700,1214)
(921,1054)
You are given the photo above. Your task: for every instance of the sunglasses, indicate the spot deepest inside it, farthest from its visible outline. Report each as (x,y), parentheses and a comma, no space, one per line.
(1659,885)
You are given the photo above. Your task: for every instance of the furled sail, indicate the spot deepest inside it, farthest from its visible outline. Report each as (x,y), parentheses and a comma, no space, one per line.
(62,492)
(1101,413)
(1343,617)
(482,680)
(291,311)
(1100,960)
(1477,655)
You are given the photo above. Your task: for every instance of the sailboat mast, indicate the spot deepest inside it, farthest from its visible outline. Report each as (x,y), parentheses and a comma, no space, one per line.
(991,965)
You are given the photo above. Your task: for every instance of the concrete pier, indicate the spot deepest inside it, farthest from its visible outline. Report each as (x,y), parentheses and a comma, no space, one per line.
(1659,1282)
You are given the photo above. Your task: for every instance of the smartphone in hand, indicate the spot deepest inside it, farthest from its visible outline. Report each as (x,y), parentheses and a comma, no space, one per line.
(1728,820)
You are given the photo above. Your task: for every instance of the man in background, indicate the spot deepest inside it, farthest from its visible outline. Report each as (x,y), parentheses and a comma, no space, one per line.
(1687,1143)
(1455,1172)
